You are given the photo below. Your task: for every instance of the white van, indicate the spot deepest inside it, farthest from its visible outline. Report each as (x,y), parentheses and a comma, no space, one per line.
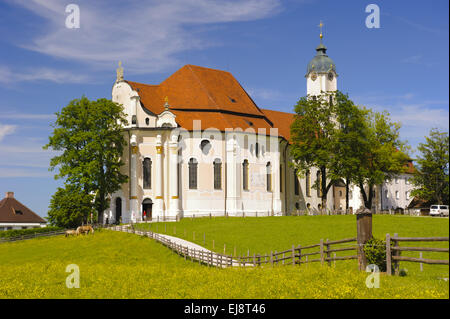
(439,210)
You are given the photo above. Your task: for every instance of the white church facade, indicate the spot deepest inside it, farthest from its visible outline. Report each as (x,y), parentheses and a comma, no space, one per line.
(198,144)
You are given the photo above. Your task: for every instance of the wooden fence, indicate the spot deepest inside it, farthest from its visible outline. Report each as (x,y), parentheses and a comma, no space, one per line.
(31,236)
(294,256)
(393,253)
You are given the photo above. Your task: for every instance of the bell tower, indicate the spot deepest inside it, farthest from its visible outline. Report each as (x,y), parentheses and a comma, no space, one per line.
(321,73)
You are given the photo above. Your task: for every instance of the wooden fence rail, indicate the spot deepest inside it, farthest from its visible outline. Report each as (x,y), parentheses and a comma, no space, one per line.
(294,256)
(393,253)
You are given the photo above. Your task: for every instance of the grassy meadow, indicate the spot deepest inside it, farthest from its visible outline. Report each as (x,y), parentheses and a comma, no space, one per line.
(121,265)
(265,234)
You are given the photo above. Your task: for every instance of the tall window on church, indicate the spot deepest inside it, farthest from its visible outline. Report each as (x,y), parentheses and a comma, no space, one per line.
(296,183)
(308,183)
(193,173)
(269,177)
(281,178)
(319,184)
(217,173)
(257,149)
(147,173)
(245,175)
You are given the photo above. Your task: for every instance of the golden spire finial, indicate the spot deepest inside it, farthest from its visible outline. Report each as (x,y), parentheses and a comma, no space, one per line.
(166,104)
(320,26)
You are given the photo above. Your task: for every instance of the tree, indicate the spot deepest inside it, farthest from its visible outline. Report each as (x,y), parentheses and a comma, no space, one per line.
(351,134)
(432,175)
(89,136)
(313,134)
(70,207)
(382,154)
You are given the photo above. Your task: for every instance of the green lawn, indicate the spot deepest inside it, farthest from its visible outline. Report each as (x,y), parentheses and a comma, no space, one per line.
(265,234)
(122,265)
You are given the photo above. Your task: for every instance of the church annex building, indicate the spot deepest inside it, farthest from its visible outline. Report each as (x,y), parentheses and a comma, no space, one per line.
(199,144)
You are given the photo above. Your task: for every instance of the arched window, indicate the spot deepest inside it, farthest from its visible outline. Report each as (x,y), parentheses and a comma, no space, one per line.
(147,173)
(308,183)
(296,183)
(269,177)
(245,142)
(193,173)
(245,175)
(217,174)
(257,149)
(397,194)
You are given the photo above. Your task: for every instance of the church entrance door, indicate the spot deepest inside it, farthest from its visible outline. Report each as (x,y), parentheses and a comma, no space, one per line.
(147,208)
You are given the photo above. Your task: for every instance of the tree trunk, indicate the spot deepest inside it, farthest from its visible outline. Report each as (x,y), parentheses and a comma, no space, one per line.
(324,189)
(347,188)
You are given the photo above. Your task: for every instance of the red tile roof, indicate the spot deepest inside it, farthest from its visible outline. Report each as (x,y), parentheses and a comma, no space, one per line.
(12,211)
(196,93)
(282,121)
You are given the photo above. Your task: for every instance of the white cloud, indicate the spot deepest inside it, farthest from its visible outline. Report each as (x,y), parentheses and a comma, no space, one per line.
(8,76)
(6,130)
(146,36)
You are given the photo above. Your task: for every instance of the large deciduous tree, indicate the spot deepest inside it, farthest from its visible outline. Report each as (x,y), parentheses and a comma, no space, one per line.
(382,154)
(432,176)
(346,142)
(313,133)
(89,138)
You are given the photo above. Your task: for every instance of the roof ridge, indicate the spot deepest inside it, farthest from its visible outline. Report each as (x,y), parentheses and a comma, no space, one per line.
(278,111)
(203,87)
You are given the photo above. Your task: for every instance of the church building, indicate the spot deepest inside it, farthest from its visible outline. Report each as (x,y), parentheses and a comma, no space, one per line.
(199,144)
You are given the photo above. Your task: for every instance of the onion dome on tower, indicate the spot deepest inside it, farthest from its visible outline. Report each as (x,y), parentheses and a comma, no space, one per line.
(321,63)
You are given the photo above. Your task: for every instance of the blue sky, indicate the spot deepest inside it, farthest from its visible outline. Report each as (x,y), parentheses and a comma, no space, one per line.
(402,67)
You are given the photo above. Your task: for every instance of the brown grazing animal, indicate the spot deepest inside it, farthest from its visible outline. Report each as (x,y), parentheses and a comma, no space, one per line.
(85,229)
(71,232)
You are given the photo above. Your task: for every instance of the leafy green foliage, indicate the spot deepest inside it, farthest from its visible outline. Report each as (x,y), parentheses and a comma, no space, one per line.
(89,138)
(70,207)
(375,250)
(313,134)
(346,141)
(432,177)
(383,154)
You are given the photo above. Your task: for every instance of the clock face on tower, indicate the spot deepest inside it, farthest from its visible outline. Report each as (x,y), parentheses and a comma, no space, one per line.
(330,76)
(314,76)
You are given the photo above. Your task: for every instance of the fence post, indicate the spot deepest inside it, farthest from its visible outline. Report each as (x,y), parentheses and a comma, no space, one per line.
(321,252)
(293,255)
(254,260)
(271,258)
(363,234)
(328,254)
(421,264)
(396,253)
(299,255)
(388,255)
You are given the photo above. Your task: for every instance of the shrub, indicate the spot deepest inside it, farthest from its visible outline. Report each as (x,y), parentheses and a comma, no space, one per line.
(28,231)
(375,250)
